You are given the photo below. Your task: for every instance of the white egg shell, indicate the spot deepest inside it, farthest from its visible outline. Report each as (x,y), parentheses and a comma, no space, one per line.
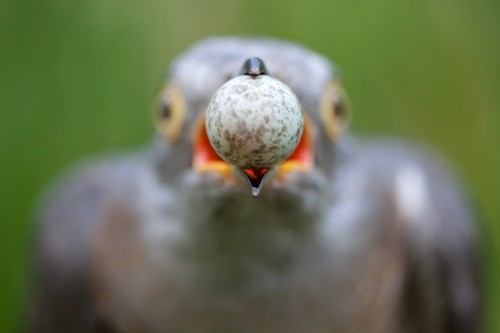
(254,122)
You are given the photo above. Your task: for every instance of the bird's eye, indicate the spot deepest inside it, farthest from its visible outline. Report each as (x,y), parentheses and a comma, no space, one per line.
(169,112)
(335,110)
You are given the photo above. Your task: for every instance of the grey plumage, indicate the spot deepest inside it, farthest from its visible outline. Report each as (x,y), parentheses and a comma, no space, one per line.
(377,237)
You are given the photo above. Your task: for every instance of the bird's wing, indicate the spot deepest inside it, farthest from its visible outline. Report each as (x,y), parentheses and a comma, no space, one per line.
(69,214)
(436,230)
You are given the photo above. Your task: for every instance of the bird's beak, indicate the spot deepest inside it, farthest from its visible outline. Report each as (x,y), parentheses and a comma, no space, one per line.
(206,160)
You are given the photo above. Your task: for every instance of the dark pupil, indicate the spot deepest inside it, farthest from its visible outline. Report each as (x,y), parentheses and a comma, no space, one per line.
(339,107)
(165,110)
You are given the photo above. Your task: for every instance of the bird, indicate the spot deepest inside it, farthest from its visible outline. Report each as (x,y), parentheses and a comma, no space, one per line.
(340,235)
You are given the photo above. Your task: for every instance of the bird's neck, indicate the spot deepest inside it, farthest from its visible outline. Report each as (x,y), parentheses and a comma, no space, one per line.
(238,235)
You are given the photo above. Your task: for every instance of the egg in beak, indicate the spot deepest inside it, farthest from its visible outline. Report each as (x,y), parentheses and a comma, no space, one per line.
(254,124)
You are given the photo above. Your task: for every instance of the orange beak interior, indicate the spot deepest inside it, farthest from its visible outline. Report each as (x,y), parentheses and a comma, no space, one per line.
(205,159)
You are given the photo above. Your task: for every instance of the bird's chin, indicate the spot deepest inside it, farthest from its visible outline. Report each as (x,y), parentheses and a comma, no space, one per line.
(292,183)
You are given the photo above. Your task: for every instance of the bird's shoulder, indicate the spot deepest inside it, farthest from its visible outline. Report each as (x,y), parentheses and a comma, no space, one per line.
(423,190)
(73,204)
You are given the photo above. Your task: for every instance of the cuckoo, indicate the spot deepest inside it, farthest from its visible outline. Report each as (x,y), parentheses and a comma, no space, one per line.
(255,210)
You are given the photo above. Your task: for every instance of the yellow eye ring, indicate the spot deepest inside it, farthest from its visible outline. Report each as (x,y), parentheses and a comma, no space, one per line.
(334,110)
(170,112)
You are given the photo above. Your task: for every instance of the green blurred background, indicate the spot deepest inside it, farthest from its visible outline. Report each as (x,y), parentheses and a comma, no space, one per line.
(78,78)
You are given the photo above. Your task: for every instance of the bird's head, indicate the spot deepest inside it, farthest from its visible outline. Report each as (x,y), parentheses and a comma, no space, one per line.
(314,123)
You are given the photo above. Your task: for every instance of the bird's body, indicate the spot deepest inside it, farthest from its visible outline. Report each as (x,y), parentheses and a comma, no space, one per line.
(373,238)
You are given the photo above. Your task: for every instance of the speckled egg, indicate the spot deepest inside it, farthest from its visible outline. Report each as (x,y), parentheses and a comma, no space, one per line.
(254,121)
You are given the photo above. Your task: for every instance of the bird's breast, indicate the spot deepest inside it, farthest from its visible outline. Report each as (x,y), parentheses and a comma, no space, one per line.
(247,269)
(239,264)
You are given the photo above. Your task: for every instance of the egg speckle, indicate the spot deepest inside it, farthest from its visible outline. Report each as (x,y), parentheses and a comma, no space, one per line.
(254,122)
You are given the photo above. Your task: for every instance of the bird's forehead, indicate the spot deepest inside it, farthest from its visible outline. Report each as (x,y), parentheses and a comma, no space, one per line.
(207,65)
